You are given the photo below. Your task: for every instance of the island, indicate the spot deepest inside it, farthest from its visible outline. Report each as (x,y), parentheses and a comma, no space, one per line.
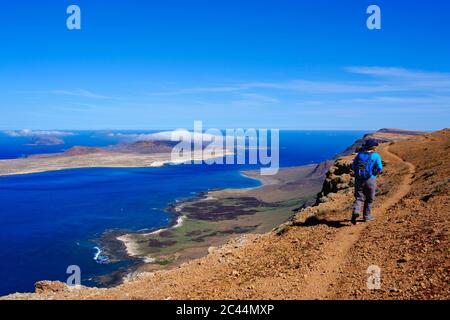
(124,155)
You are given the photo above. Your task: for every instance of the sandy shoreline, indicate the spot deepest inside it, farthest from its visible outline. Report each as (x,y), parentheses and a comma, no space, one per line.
(131,241)
(132,246)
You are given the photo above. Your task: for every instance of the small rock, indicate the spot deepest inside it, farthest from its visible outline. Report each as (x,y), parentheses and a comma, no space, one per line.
(211,249)
(49,286)
(404,259)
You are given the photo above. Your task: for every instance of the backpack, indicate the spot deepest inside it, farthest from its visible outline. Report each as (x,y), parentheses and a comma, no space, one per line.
(363,166)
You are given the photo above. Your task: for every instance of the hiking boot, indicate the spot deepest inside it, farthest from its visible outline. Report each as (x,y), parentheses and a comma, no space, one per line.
(354,217)
(368,218)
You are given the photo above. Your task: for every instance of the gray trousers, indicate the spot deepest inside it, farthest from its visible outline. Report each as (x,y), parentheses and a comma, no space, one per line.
(364,195)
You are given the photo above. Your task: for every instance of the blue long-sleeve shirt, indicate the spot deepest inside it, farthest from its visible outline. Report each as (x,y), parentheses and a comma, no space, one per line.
(376,165)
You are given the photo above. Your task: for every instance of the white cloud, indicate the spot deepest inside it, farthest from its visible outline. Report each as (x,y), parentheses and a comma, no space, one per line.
(32,133)
(378,80)
(80,93)
(398,73)
(433,100)
(407,80)
(162,136)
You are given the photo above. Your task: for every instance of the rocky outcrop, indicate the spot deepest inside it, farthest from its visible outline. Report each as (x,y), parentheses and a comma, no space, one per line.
(50,287)
(339,177)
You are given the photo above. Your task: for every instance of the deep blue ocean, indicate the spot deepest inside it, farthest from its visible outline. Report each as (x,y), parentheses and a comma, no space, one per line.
(51,220)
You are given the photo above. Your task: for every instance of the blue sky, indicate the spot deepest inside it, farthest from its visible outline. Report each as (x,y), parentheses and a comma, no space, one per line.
(265,64)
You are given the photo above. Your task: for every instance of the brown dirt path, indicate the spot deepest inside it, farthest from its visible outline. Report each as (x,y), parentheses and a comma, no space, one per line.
(321,281)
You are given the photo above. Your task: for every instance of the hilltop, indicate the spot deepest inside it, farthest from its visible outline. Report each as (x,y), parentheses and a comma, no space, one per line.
(318,254)
(382,136)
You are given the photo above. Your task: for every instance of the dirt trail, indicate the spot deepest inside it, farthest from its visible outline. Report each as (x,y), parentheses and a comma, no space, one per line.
(335,253)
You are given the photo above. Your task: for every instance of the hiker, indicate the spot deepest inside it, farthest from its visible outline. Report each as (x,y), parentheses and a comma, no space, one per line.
(367,165)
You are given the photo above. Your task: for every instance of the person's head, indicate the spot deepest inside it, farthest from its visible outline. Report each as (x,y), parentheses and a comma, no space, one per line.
(370,144)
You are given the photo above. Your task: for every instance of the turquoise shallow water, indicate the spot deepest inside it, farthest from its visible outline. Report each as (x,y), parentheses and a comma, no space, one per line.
(52,220)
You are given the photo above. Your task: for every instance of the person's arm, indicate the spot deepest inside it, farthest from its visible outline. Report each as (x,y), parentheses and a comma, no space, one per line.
(379,164)
(354,162)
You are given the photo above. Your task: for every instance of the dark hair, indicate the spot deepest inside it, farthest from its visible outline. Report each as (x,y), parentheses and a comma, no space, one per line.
(370,144)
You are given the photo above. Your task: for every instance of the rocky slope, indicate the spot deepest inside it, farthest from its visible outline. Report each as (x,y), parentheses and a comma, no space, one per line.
(319,254)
